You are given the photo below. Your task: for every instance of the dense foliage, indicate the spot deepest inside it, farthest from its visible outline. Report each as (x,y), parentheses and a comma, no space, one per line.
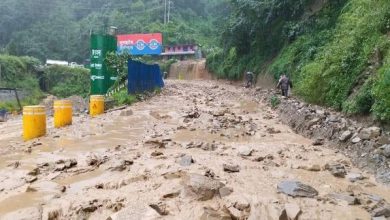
(337,52)
(60,29)
(20,72)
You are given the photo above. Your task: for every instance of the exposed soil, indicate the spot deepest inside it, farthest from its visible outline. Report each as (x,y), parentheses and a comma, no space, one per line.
(199,150)
(189,70)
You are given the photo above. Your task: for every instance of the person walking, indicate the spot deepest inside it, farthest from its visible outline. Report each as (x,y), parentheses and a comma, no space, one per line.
(284,84)
(249,79)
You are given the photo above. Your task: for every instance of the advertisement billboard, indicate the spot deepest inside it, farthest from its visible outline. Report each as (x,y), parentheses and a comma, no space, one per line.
(140,44)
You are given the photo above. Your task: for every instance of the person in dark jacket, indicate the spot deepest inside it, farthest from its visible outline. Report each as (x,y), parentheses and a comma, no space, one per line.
(284,84)
(249,79)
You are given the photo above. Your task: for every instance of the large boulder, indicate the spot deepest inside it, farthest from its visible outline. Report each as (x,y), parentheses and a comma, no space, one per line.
(369,133)
(200,187)
(386,150)
(346,135)
(297,189)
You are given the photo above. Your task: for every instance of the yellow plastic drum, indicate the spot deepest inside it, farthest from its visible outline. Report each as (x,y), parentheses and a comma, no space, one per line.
(96,105)
(62,113)
(34,122)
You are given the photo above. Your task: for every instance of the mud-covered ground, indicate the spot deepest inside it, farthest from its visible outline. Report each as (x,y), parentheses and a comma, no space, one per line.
(199,150)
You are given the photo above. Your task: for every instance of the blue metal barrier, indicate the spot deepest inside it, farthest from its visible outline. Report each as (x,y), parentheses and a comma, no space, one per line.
(143,77)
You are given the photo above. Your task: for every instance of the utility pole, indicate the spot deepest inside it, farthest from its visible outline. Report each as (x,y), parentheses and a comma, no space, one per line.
(165,12)
(0,73)
(169,9)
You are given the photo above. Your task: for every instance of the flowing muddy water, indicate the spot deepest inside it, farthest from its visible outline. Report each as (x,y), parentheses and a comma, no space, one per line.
(99,166)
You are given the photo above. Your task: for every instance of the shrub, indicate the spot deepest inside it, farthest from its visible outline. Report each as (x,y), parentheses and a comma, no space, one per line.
(64,81)
(275,101)
(123,98)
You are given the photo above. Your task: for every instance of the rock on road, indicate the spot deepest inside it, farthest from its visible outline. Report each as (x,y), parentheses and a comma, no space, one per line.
(199,150)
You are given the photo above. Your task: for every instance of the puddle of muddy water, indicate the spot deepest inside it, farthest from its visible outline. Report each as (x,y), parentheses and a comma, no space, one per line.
(20,201)
(249,106)
(77,183)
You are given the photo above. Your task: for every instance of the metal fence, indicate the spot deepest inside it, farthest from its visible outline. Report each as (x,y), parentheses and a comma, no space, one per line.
(143,77)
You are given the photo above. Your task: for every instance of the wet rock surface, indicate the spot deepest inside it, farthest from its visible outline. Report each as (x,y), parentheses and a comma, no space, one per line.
(200,187)
(197,150)
(297,189)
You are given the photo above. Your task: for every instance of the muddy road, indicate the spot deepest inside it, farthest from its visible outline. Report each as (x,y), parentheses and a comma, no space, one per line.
(199,150)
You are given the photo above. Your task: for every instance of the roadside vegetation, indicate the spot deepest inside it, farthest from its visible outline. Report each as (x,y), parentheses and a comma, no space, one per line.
(337,53)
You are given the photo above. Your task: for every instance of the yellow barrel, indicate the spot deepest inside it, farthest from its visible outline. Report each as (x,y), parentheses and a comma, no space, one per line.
(96,105)
(34,122)
(62,113)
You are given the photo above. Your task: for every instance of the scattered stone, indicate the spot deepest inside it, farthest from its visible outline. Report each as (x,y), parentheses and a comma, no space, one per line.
(193,114)
(259,158)
(94,160)
(31,179)
(291,212)
(171,195)
(220,112)
(356,140)
(89,208)
(34,172)
(273,131)
(210,214)
(155,143)
(245,152)
(160,208)
(31,189)
(336,170)
(297,189)
(121,165)
(14,165)
(225,191)
(353,177)
(200,187)
(70,163)
(346,135)
(127,112)
(369,133)
(186,160)
(351,200)
(386,150)
(381,211)
(60,167)
(230,168)
(382,140)
(156,153)
(313,168)
(235,213)
(333,118)
(173,175)
(313,122)
(51,213)
(318,142)
(241,204)
(209,173)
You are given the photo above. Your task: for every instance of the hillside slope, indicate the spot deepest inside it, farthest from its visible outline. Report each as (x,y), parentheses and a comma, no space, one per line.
(336,52)
(60,29)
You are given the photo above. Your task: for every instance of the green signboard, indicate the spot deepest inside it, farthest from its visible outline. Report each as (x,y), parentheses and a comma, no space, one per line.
(102,78)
